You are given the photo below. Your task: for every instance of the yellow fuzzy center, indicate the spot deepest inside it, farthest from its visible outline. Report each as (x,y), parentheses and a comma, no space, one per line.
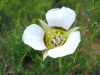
(55,39)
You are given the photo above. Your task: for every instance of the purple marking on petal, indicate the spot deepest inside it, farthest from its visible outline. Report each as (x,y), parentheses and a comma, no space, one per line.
(44,39)
(55,27)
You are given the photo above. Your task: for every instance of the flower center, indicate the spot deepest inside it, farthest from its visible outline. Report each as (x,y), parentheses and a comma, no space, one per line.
(56,38)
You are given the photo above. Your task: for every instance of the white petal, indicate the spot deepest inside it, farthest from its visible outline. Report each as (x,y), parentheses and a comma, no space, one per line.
(33,36)
(68,48)
(63,17)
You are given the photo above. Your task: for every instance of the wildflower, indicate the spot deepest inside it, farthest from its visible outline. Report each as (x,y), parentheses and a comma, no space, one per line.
(55,37)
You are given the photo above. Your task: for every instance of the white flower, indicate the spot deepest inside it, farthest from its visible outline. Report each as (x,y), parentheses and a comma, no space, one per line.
(57,45)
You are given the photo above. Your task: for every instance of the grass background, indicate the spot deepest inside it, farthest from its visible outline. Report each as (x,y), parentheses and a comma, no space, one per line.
(16,58)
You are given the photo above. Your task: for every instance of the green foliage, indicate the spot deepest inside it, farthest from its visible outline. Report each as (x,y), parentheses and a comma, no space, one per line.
(88,11)
(16,58)
(94,2)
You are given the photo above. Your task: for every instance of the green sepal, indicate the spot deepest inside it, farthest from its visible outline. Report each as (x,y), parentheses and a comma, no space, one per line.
(70,31)
(46,27)
(45,54)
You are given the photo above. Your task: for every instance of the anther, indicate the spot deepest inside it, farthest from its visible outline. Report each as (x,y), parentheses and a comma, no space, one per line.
(52,41)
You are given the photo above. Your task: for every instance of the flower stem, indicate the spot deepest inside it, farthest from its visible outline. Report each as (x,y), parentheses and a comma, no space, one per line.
(88,23)
(60,65)
(87,29)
